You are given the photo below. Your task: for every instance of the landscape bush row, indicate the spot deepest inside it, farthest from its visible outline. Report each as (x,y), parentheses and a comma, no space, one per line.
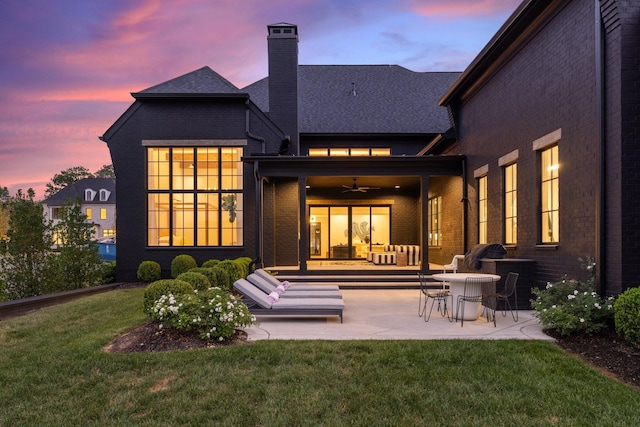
(571,306)
(199,299)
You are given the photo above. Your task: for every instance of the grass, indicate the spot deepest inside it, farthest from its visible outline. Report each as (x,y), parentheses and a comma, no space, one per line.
(53,372)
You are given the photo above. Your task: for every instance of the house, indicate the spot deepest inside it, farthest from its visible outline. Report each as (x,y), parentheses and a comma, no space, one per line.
(98,202)
(533,146)
(215,171)
(547,117)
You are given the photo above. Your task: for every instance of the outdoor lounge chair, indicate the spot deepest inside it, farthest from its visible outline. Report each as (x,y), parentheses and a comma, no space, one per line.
(265,286)
(295,286)
(259,304)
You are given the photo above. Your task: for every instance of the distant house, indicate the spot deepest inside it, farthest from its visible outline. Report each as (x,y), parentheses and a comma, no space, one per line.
(98,201)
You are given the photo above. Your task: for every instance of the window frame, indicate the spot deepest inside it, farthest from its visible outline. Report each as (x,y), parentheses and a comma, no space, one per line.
(510,211)
(434,222)
(176,192)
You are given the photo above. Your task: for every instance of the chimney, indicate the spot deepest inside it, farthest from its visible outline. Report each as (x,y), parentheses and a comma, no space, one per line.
(283,81)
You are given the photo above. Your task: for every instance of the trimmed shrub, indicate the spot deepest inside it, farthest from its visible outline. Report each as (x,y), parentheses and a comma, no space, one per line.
(182,264)
(233,269)
(155,290)
(210,263)
(223,279)
(198,280)
(208,273)
(243,262)
(149,271)
(627,315)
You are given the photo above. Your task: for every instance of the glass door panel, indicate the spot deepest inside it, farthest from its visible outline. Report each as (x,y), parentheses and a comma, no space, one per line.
(319,232)
(360,230)
(380,225)
(339,233)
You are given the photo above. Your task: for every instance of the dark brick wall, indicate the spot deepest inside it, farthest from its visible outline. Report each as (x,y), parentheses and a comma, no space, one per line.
(450,189)
(166,120)
(548,84)
(287,221)
(629,40)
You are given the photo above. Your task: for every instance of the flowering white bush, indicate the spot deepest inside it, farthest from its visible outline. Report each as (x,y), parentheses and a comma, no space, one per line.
(215,313)
(570,306)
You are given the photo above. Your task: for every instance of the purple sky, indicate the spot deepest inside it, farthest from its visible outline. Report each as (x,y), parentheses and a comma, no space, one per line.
(68,66)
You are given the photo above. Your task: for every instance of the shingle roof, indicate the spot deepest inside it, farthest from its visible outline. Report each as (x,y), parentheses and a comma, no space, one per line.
(366,99)
(201,81)
(76,190)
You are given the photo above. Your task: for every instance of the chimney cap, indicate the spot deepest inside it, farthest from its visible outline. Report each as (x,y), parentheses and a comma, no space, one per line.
(283,30)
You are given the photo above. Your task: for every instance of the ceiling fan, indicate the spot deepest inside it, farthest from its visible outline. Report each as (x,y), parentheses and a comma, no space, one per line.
(355,188)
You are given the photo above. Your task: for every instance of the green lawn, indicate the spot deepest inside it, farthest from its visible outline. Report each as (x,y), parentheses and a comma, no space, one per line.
(53,373)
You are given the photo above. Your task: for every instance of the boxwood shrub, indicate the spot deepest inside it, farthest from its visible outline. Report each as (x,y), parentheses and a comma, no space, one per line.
(149,271)
(627,315)
(182,264)
(199,281)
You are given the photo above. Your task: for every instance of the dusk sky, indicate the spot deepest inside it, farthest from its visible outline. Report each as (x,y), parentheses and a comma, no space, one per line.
(69,66)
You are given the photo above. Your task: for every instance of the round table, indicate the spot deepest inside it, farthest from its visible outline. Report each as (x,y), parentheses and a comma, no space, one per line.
(456,287)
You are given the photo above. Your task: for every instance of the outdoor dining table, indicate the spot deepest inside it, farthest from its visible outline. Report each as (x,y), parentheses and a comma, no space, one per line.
(456,287)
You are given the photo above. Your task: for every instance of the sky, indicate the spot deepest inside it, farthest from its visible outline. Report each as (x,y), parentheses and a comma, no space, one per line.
(68,67)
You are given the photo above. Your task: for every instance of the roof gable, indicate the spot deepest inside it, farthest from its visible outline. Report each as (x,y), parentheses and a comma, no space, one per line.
(201,81)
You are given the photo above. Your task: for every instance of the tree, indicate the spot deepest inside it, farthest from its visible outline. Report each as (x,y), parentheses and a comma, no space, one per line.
(106,171)
(74,174)
(78,264)
(4,213)
(25,256)
(66,177)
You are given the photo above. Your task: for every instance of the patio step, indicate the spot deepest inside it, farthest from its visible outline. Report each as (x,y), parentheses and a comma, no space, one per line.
(360,280)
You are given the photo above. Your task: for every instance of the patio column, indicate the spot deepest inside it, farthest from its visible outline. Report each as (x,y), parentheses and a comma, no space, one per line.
(424,230)
(303,235)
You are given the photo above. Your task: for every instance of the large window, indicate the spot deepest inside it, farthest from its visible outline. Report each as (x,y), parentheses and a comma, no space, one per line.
(342,152)
(434,213)
(550,203)
(194,196)
(482,209)
(511,204)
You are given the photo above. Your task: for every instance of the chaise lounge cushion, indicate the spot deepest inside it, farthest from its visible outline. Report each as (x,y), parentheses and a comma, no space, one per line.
(295,286)
(266,287)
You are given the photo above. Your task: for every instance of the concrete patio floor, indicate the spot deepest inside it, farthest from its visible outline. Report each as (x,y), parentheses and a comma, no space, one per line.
(392,315)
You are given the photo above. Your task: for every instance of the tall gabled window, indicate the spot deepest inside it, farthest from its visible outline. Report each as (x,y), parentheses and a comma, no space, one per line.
(511,204)
(104,195)
(194,196)
(550,195)
(482,209)
(434,214)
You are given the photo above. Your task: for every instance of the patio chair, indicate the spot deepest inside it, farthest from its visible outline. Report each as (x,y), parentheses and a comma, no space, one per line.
(440,293)
(473,287)
(295,286)
(259,304)
(489,300)
(266,287)
(453,266)
(509,290)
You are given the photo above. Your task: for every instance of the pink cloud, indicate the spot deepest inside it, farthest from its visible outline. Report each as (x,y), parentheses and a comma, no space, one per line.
(462,8)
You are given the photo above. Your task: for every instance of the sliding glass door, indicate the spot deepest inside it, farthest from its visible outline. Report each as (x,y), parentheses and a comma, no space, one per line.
(347,232)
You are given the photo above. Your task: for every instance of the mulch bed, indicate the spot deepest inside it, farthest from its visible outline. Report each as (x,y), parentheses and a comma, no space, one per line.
(607,352)
(150,337)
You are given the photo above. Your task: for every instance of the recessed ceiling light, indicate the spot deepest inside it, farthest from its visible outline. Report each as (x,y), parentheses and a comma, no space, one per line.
(397,186)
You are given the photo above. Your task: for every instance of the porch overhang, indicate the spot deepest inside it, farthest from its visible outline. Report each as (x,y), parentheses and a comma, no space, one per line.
(290,166)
